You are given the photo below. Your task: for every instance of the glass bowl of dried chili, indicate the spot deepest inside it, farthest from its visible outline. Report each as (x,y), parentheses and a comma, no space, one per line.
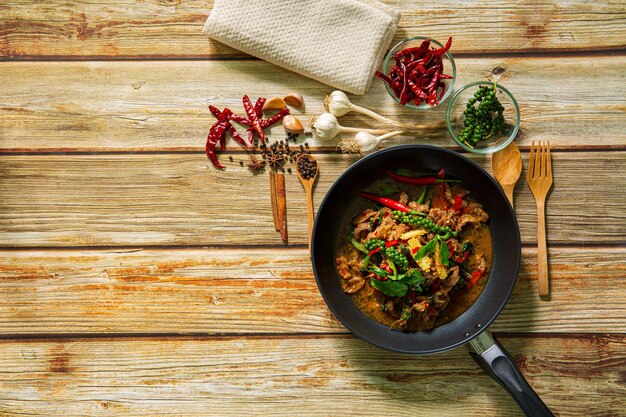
(419,72)
(483,117)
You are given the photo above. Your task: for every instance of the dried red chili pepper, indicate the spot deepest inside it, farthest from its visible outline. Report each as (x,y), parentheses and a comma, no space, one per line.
(217,131)
(417,74)
(210,152)
(275,118)
(254,118)
(231,129)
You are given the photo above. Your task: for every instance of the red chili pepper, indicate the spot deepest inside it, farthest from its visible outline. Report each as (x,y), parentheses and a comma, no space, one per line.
(415,249)
(450,249)
(417,74)
(417,51)
(391,243)
(258,106)
(385,79)
(462,258)
(231,129)
(275,118)
(215,136)
(254,118)
(210,152)
(442,85)
(387,202)
(439,52)
(475,277)
(411,180)
(458,201)
(374,251)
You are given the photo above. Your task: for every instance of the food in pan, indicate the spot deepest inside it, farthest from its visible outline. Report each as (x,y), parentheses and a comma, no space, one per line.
(419,255)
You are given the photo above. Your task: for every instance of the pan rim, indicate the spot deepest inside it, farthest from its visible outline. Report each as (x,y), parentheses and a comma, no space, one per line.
(484,323)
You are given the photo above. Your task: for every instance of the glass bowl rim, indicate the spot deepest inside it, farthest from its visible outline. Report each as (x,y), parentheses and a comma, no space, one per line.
(448,92)
(490,149)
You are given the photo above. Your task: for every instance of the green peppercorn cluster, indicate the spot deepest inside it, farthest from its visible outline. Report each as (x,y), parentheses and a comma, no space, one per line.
(372,244)
(416,220)
(398,259)
(483,120)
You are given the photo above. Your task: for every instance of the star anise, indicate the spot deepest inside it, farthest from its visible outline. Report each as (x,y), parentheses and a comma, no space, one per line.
(255,164)
(275,159)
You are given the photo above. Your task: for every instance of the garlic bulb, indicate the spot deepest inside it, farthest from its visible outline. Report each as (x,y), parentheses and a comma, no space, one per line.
(338,104)
(366,143)
(326,127)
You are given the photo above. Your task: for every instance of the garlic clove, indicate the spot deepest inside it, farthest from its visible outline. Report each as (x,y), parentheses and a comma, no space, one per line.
(274,103)
(295,100)
(292,125)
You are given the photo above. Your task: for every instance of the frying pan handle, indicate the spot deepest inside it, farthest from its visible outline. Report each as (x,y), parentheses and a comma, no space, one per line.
(496,362)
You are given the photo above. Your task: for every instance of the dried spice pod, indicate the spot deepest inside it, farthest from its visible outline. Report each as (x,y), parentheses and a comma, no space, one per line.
(274,103)
(295,100)
(292,125)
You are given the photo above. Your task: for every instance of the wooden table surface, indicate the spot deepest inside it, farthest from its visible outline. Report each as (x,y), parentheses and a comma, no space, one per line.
(136,279)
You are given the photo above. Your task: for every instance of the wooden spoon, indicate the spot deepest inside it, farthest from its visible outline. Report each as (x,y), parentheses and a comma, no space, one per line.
(507,167)
(307,183)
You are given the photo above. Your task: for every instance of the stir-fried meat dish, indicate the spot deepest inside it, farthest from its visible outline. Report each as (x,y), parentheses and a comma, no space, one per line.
(418,258)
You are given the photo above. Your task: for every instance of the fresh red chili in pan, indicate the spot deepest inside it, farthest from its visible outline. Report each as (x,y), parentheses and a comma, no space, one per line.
(458,202)
(391,243)
(475,277)
(387,202)
(412,180)
(426,180)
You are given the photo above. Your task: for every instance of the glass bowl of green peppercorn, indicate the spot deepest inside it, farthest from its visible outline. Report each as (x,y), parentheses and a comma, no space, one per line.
(483,117)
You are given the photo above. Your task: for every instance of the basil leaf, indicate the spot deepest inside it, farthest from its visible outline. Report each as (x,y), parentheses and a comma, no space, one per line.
(427,249)
(391,288)
(413,278)
(388,189)
(359,246)
(378,271)
(444,252)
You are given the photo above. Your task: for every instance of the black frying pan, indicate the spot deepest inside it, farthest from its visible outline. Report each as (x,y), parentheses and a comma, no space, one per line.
(471,326)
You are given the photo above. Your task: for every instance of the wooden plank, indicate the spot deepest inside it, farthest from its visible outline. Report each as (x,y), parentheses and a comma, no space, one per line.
(299,375)
(162,105)
(165,199)
(173,28)
(202,291)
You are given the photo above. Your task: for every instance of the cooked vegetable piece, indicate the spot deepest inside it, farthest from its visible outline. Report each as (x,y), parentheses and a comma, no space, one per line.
(392,288)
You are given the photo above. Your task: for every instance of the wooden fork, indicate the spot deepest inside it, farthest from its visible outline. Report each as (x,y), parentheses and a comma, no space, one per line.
(539,181)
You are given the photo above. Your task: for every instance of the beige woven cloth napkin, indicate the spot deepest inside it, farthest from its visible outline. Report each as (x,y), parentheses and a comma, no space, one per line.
(337,42)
